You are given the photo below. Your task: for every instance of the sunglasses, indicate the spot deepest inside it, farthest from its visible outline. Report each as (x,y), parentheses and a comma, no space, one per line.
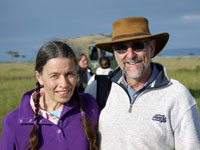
(137,46)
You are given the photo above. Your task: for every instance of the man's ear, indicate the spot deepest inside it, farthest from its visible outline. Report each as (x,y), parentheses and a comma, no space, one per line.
(153,47)
(38,77)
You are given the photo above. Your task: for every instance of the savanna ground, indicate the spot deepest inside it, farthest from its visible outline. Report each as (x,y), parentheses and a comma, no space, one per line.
(18,77)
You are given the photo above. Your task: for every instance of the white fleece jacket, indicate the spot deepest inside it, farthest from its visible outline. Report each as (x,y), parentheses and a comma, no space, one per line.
(163,117)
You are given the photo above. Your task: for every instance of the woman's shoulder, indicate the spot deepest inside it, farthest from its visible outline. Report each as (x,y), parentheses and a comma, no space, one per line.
(11,117)
(87,98)
(89,103)
(14,115)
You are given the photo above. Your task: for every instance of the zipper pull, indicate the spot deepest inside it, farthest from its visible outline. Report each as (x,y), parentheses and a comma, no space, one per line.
(130,108)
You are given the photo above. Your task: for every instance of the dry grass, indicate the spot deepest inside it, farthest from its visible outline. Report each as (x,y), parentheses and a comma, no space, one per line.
(16,78)
(174,63)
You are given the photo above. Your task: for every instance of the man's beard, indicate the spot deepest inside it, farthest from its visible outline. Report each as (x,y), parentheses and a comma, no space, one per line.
(138,71)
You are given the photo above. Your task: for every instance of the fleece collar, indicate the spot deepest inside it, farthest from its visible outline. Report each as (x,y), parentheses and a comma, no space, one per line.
(161,80)
(26,114)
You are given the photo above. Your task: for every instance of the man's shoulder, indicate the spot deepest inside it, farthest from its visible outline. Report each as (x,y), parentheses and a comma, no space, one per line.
(180,93)
(91,88)
(178,85)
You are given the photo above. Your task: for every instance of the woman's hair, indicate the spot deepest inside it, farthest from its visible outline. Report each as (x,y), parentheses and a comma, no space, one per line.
(53,50)
(104,62)
(88,126)
(48,51)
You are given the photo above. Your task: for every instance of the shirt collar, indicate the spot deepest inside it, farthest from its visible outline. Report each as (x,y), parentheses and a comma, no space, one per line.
(151,79)
(26,110)
(54,119)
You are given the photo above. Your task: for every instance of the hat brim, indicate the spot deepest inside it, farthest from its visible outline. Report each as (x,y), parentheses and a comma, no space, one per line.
(161,41)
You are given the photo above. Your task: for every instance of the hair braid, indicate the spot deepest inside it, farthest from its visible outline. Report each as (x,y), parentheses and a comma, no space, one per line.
(89,128)
(33,137)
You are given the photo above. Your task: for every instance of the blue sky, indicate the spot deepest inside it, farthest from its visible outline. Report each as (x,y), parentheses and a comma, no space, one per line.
(26,24)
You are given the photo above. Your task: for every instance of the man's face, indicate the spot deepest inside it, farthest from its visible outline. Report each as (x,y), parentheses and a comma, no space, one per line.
(134,56)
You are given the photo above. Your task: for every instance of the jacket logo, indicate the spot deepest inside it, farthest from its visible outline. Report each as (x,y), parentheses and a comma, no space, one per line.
(160,118)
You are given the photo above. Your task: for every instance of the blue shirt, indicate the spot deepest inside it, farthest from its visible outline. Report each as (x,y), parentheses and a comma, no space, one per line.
(132,92)
(56,112)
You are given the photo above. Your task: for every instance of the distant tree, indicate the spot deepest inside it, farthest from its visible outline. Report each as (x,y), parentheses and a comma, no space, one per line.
(101,34)
(15,54)
(191,54)
(10,52)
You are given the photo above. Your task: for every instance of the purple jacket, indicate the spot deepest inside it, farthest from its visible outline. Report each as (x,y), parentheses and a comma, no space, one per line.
(68,134)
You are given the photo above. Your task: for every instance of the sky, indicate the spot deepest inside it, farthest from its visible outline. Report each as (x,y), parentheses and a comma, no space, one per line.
(25,25)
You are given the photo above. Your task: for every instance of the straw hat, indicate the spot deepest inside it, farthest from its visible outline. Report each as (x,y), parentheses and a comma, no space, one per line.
(133,28)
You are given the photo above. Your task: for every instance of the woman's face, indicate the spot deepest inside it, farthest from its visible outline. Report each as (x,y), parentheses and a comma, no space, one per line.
(83,63)
(59,80)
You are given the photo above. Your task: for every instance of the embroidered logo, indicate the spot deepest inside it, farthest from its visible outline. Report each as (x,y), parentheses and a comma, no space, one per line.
(158,117)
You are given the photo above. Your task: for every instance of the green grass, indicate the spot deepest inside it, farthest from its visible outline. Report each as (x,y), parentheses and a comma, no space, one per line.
(186,70)
(16,78)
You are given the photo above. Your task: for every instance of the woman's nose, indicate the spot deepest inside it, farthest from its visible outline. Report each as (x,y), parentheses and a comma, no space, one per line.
(64,82)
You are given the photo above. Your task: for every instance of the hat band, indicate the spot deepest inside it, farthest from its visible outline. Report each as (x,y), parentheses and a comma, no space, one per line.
(129,35)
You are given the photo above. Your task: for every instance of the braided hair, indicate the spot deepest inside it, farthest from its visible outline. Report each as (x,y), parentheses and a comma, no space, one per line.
(88,126)
(46,52)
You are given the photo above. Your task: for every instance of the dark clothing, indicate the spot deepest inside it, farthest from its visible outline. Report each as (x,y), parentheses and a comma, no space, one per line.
(83,78)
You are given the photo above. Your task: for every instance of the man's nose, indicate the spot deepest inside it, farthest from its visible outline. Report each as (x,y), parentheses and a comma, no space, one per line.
(130,52)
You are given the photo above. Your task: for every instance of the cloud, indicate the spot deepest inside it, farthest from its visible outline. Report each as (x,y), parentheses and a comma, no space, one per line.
(191,18)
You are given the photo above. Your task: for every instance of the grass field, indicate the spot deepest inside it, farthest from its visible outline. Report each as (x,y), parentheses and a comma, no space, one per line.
(16,78)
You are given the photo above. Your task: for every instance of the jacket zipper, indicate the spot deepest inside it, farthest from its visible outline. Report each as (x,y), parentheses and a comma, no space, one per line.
(130,108)
(144,91)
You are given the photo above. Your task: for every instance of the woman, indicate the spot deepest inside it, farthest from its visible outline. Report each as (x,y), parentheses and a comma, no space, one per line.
(84,72)
(52,116)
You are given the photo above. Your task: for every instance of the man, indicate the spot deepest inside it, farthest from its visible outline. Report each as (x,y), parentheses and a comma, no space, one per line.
(145,109)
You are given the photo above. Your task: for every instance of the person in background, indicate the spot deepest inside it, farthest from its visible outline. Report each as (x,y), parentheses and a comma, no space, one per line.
(104,66)
(103,69)
(145,108)
(84,72)
(53,115)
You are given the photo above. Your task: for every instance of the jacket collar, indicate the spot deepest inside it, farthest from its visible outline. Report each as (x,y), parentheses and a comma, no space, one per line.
(161,80)
(26,114)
